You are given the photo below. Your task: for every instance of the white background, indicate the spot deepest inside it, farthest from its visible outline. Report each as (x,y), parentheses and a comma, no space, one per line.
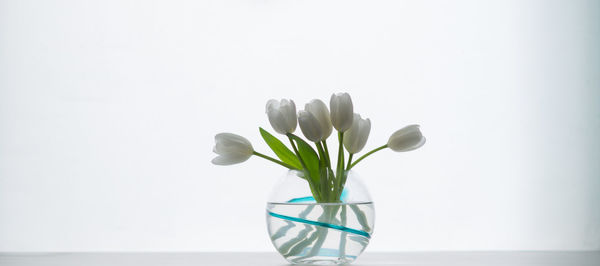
(108,111)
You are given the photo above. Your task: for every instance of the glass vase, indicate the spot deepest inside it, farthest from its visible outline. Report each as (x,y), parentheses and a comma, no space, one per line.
(308,232)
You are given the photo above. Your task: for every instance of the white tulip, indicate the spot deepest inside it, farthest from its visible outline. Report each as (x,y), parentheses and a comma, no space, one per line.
(356,137)
(310,126)
(406,139)
(342,111)
(231,149)
(282,115)
(318,109)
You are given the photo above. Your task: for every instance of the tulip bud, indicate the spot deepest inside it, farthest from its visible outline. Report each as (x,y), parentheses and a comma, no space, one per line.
(342,111)
(318,109)
(282,115)
(356,137)
(231,149)
(406,139)
(310,126)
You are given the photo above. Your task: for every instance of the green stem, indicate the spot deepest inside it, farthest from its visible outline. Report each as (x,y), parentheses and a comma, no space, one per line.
(323,157)
(349,161)
(313,189)
(345,175)
(296,151)
(323,171)
(340,164)
(326,153)
(274,160)
(367,154)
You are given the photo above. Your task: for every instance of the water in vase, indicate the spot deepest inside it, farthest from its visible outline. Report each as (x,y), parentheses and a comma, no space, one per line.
(320,233)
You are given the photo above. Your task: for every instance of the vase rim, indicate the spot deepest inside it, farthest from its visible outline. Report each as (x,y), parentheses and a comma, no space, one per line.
(321,203)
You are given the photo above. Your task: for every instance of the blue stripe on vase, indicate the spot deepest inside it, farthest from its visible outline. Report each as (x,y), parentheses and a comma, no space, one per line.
(303,199)
(332,226)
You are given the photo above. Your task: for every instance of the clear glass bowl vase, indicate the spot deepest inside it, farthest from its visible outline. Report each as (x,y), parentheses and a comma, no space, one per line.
(307,232)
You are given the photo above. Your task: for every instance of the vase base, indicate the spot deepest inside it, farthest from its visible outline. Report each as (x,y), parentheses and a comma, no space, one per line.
(319,261)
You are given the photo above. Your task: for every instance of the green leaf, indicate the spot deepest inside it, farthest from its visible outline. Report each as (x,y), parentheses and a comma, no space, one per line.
(283,152)
(310,157)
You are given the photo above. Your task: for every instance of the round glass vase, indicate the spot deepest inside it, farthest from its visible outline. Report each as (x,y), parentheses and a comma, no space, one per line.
(308,232)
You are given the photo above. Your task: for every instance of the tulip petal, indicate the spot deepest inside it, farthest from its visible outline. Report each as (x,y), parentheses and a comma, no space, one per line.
(406,139)
(277,121)
(282,115)
(231,149)
(416,145)
(229,160)
(288,109)
(271,104)
(310,126)
(321,113)
(356,137)
(342,111)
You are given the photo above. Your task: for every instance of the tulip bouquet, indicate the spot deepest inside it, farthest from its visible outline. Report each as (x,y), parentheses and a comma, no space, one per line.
(316,123)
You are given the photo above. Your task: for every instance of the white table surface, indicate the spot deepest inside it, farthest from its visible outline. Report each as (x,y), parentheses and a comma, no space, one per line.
(520,258)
